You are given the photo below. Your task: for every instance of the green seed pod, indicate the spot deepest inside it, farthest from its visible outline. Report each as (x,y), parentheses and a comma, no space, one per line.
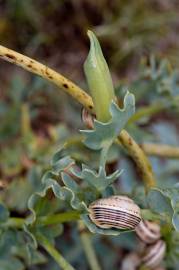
(99,79)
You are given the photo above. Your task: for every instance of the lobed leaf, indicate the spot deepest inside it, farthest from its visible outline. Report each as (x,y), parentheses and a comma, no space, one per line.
(105,133)
(100,181)
(166,201)
(63,193)
(4,213)
(61,162)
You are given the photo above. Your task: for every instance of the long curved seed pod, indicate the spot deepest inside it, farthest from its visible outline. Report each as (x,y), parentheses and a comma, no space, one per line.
(115,212)
(48,74)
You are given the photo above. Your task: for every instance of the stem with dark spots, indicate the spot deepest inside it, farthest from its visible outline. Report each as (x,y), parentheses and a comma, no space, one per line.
(139,158)
(83,98)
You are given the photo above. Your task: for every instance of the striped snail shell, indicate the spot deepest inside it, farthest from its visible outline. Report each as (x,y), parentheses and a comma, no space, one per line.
(115,212)
(154,254)
(87,118)
(148,232)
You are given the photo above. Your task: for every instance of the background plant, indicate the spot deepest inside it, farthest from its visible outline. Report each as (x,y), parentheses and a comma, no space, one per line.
(156,84)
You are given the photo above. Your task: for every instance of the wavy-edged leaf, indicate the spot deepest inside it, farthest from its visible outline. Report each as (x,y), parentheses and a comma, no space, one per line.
(62,193)
(69,182)
(104,133)
(166,201)
(61,162)
(159,203)
(99,180)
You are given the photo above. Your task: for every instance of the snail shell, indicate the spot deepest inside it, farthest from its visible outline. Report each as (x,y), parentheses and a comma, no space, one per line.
(148,232)
(154,254)
(131,261)
(115,212)
(87,118)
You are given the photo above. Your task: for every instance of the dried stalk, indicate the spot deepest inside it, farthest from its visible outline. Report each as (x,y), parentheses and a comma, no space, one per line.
(83,98)
(161,150)
(48,74)
(139,157)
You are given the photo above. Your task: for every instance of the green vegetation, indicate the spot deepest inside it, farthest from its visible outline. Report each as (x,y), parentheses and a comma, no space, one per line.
(52,167)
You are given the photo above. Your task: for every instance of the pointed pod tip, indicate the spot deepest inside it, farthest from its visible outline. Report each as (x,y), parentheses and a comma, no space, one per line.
(94,43)
(90,34)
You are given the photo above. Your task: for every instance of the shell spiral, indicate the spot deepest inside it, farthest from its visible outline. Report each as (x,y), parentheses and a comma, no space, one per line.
(115,212)
(148,232)
(87,118)
(154,254)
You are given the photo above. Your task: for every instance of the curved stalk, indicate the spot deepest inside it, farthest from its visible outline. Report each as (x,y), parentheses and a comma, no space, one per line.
(147,111)
(150,110)
(88,248)
(59,218)
(46,220)
(139,158)
(161,150)
(60,260)
(14,223)
(103,156)
(82,97)
(48,74)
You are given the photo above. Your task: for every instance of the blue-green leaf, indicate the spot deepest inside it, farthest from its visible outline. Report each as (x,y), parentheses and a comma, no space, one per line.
(63,193)
(4,213)
(11,264)
(61,162)
(99,180)
(159,203)
(166,201)
(175,220)
(69,182)
(105,133)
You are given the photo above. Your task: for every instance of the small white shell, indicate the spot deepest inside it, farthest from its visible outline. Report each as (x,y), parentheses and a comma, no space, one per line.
(148,232)
(115,212)
(154,254)
(131,262)
(87,118)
